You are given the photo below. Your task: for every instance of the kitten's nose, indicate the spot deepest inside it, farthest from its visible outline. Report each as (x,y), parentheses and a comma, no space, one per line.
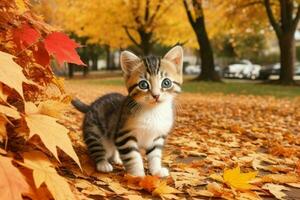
(155,96)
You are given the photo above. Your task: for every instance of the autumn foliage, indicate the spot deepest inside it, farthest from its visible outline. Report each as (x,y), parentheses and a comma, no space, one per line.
(31,102)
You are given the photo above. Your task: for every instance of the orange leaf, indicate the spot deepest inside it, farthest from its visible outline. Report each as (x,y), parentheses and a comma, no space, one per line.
(149,183)
(51,133)
(43,172)
(12,184)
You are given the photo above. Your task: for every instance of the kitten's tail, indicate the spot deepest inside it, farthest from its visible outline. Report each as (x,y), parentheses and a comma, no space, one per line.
(79,105)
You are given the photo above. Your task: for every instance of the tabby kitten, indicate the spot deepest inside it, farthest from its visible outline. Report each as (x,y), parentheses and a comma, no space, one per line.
(117,126)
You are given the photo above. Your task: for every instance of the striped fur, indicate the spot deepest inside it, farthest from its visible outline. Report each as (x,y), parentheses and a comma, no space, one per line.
(116,127)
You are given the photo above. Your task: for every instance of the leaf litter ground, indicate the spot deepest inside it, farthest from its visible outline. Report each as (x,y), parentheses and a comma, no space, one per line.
(230,147)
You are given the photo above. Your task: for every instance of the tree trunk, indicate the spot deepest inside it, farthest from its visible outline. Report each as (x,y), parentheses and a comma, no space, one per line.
(287,58)
(71,70)
(108,60)
(146,44)
(208,72)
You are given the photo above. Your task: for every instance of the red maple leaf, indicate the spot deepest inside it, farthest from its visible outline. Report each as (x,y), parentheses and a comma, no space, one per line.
(63,48)
(25,36)
(40,55)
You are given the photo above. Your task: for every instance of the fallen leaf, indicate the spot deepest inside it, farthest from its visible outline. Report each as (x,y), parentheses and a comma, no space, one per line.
(276,190)
(280,178)
(43,172)
(163,189)
(52,134)
(13,183)
(234,178)
(9,111)
(89,189)
(149,183)
(11,69)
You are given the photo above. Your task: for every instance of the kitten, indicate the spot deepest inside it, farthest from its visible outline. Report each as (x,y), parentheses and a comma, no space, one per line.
(117,126)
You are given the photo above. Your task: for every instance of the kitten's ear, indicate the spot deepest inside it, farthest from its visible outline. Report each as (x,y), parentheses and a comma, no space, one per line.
(128,61)
(175,56)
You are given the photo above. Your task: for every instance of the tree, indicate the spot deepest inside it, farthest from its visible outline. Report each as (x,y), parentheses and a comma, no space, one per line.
(285,27)
(282,15)
(197,22)
(131,23)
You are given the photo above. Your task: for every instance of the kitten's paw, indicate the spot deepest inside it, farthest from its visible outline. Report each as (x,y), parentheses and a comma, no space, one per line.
(117,160)
(163,172)
(137,173)
(104,166)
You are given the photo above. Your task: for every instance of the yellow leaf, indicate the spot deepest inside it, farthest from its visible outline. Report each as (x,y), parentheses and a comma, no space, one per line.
(9,111)
(234,178)
(51,133)
(52,108)
(11,69)
(21,6)
(13,183)
(43,172)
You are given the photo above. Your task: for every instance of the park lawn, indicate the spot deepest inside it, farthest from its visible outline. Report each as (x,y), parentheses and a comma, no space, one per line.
(228,87)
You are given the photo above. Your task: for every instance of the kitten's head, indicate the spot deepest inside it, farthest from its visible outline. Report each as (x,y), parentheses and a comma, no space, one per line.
(152,80)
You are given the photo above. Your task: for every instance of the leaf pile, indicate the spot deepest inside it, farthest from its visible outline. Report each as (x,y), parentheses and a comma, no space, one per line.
(32,101)
(229,147)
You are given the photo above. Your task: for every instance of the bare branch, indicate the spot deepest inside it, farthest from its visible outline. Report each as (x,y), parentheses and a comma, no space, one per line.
(147,8)
(188,12)
(155,13)
(131,37)
(271,17)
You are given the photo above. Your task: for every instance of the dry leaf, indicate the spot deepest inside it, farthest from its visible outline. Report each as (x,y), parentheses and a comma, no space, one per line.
(13,183)
(234,178)
(276,190)
(11,69)
(43,172)
(52,134)
(9,112)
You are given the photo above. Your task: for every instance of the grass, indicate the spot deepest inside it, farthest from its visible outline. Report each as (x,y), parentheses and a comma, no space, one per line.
(229,87)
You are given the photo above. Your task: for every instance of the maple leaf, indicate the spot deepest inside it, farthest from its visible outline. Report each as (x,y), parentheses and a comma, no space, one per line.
(41,55)
(276,190)
(11,69)
(9,111)
(43,172)
(13,183)
(234,178)
(51,133)
(163,189)
(149,183)
(25,36)
(63,48)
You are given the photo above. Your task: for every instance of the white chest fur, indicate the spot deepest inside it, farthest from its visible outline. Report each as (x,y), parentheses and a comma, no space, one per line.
(152,122)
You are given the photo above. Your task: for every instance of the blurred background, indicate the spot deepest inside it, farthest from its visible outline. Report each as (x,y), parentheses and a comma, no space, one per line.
(243,41)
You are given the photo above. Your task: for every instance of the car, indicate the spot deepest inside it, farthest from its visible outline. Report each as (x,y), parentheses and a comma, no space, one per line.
(196,69)
(267,71)
(192,69)
(244,69)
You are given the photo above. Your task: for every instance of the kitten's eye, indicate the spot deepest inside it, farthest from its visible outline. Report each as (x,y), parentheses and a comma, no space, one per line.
(143,85)
(166,83)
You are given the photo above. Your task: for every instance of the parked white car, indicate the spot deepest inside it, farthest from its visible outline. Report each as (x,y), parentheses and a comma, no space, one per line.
(244,69)
(192,69)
